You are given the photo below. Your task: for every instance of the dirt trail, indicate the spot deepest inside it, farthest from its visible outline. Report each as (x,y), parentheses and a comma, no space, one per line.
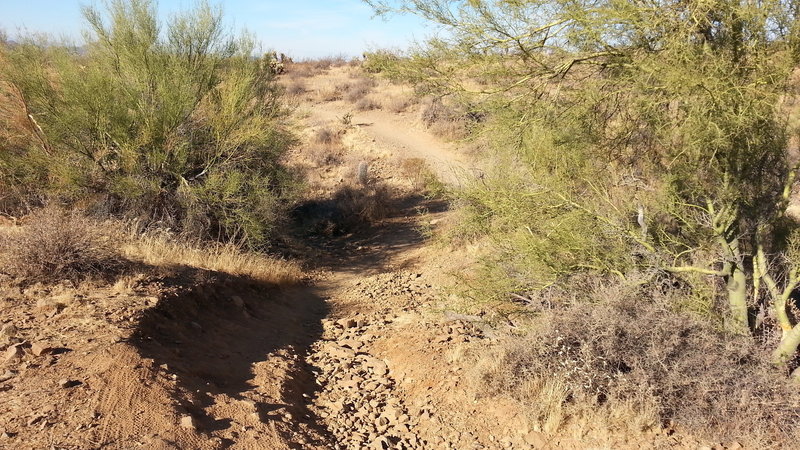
(390,365)
(401,135)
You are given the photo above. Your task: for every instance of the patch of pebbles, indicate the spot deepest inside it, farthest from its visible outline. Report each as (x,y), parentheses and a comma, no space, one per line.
(408,285)
(356,397)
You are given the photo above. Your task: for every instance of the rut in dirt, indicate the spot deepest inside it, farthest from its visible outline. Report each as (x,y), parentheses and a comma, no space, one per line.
(249,361)
(355,396)
(225,341)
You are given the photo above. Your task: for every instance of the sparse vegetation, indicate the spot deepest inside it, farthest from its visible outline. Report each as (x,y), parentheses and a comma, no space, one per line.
(447,119)
(55,245)
(398,104)
(637,365)
(422,178)
(297,87)
(367,104)
(161,248)
(359,89)
(635,227)
(379,61)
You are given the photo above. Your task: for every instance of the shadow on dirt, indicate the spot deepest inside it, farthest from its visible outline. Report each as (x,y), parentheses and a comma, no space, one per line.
(345,244)
(211,335)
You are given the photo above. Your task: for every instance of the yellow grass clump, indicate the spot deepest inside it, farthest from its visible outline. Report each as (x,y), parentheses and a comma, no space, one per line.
(159,250)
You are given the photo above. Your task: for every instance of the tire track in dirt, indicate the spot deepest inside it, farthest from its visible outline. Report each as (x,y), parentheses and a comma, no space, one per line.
(401,136)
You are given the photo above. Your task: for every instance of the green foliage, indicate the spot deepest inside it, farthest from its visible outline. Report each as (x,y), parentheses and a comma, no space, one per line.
(379,61)
(175,123)
(633,137)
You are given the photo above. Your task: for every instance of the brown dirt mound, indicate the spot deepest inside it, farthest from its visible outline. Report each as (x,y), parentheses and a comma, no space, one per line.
(188,359)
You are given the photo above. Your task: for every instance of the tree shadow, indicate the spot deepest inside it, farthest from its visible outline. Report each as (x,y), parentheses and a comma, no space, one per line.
(365,248)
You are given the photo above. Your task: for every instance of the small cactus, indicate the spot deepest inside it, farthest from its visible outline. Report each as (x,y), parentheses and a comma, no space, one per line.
(362,173)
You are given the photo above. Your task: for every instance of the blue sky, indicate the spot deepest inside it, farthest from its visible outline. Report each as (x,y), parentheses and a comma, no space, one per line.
(299,28)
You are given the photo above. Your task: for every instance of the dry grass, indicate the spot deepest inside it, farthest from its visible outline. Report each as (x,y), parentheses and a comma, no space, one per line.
(398,104)
(56,244)
(327,136)
(164,250)
(418,173)
(631,364)
(296,88)
(446,120)
(313,67)
(330,93)
(359,89)
(301,70)
(367,104)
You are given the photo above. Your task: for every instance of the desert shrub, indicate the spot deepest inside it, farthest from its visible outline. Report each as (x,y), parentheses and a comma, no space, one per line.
(398,104)
(327,136)
(359,89)
(379,61)
(55,244)
(362,204)
(668,126)
(449,118)
(629,353)
(302,70)
(422,178)
(332,93)
(326,146)
(367,104)
(296,87)
(327,62)
(324,155)
(177,125)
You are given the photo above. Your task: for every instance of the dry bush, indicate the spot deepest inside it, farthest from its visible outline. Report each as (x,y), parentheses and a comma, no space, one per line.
(296,87)
(56,244)
(325,155)
(361,205)
(359,89)
(631,361)
(331,93)
(367,104)
(398,104)
(328,62)
(301,70)
(327,136)
(326,147)
(161,248)
(447,120)
(418,172)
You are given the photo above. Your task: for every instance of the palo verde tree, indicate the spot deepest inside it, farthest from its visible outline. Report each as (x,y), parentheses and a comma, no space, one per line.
(649,137)
(173,122)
